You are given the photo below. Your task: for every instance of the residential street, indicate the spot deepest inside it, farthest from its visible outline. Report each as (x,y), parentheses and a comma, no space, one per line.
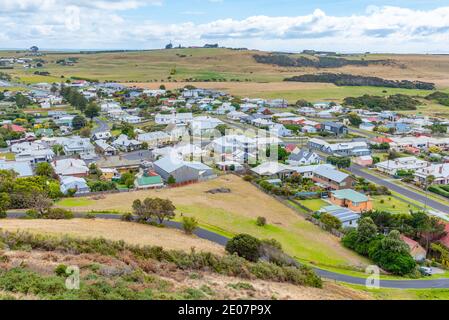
(102,126)
(409,193)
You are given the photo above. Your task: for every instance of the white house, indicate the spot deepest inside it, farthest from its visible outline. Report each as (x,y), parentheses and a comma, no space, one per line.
(154,139)
(125,144)
(74,183)
(174,118)
(439,171)
(391,167)
(70,167)
(303,158)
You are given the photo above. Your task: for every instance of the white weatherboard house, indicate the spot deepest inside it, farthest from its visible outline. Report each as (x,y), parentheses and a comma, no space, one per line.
(74,183)
(70,167)
(391,167)
(174,118)
(439,171)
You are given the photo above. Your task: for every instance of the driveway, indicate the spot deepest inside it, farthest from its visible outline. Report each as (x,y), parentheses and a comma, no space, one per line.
(408,193)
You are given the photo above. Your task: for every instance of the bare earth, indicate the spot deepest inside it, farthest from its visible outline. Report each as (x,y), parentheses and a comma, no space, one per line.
(132,233)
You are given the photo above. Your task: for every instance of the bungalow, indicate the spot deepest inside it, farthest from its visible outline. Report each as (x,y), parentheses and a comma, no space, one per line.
(291,120)
(175,118)
(154,139)
(332,179)
(14,128)
(104,135)
(125,144)
(351,199)
(77,146)
(204,125)
(180,151)
(334,128)
(303,157)
(347,217)
(346,149)
(364,161)
(182,171)
(105,148)
(439,171)
(391,167)
(22,168)
(148,180)
(416,250)
(73,183)
(70,167)
(273,170)
(235,115)
(279,130)
(230,166)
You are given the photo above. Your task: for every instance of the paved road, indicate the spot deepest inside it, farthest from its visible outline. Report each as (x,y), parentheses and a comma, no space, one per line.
(221,240)
(409,193)
(101,126)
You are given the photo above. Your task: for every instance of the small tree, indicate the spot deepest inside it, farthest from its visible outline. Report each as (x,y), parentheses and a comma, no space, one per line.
(171,180)
(245,246)
(5,202)
(41,203)
(79,122)
(154,208)
(44,169)
(330,221)
(189,224)
(261,221)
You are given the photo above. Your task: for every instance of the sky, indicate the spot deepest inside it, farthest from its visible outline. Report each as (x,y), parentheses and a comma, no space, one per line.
(412,26)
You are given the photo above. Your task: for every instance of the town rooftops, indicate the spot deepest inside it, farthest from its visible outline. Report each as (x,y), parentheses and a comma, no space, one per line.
(349,194)
(331,174)
(23,168)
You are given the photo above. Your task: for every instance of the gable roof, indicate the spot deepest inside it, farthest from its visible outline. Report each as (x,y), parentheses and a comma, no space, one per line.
(23,168)
(349,194)
(332,174)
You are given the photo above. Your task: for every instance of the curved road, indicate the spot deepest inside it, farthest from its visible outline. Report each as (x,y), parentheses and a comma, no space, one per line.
(409,193)
(221,240)
(102,126)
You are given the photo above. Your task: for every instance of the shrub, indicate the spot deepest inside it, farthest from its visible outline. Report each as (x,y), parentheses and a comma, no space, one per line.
(90,215)
(58,214)
(248,178)
(128,217)
(60,270)
(261,221)
(330,221)
(32,214)
(245,246)
(3,215)
(189,224)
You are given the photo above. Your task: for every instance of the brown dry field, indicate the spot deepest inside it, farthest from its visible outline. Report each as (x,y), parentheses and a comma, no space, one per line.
(131,233)
(237,88)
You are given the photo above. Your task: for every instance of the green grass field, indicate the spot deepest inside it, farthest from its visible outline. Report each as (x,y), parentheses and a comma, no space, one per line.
(74,202)
(314,204)
(8,156)
(391,204)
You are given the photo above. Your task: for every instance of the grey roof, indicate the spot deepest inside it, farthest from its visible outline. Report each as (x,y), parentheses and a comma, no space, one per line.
(302,154)
(23,168)
(342,214)
(331,174)
(168,164)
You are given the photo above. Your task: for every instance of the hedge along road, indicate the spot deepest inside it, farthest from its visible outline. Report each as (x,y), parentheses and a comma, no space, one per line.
(221,240)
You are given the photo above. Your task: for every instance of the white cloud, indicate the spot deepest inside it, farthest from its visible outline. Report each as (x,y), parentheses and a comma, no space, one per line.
(26,22)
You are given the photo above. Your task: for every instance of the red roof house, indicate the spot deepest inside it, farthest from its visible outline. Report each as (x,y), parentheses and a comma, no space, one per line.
(14,127)
(416,251)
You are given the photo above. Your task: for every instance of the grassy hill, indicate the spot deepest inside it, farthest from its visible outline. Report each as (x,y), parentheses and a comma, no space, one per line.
(218,64)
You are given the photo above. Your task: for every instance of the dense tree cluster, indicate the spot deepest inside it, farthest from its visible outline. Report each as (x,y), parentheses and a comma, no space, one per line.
(342,79)
(285,60)
(440,97)
(389,252)
(378,103)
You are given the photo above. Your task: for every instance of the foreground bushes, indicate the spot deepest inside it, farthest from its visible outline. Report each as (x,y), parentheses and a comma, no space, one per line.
(230,265)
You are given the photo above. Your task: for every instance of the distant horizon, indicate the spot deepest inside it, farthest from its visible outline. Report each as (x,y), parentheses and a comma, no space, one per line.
(70,50)
(378,26)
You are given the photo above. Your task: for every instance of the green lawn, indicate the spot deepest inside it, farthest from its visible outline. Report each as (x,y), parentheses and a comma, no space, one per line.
(74,202)
(391,204)
(8,156)
(339,93)
(404,294)
(314,204)
(295,239)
